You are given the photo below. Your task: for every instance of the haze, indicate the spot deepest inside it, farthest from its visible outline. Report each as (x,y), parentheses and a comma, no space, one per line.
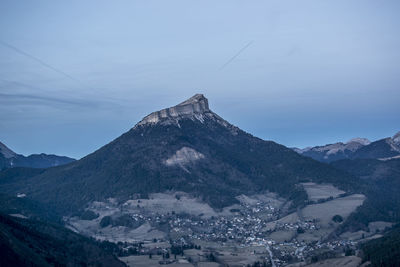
(74,75)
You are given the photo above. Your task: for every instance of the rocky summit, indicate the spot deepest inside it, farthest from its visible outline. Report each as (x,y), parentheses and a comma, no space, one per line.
(195,107)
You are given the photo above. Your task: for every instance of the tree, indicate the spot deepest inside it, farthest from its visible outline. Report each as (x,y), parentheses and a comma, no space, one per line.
(337,218)
(349,252)
(105,221)
(300,230)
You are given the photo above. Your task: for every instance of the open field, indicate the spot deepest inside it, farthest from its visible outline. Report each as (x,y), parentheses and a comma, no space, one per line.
(318,216)
(180,261)
(271,198)
(177,202)
(379,226)
(145,261)
(325,211)
(350,261)
(316,192)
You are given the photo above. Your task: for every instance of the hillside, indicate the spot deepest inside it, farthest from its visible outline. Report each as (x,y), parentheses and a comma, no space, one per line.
(33,243)
(381,180)
(384,251)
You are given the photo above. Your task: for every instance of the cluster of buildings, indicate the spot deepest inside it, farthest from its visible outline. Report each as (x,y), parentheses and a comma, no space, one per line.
(246,227)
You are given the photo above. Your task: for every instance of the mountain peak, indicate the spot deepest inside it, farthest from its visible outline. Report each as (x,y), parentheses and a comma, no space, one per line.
(197,98)
(194,107)
(396,138)
(7,153)
(362,141)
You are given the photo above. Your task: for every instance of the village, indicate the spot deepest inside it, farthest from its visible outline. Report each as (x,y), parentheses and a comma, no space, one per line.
(246,236)
(174,228)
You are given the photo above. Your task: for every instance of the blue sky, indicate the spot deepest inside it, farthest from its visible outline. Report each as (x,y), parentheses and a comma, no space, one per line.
(80,73)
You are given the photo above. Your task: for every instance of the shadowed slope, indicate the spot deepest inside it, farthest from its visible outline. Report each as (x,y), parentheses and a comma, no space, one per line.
(32,243)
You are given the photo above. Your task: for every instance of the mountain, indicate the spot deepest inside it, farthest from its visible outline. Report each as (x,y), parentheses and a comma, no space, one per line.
(185,148)
(10,159)
(26,242)
(334,151)
(357,148)
(377,165)
(382,149)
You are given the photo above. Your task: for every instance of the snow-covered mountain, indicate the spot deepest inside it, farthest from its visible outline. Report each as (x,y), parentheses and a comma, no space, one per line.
(354,149)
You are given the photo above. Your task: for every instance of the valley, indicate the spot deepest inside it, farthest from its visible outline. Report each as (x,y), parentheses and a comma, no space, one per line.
(199,133)
(260,227)
(184,187)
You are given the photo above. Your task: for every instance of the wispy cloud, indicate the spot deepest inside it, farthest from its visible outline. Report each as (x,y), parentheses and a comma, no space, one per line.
(13,91)
(236,55)
(41,62)
(76,102)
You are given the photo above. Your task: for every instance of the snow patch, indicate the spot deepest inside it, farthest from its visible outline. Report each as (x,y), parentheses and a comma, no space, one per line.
(389,158)
(184,156)
(362,141)
(17,215)
(396,138)
(395,146)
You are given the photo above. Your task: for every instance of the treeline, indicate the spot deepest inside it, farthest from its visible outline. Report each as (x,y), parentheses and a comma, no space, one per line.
(384,251)
(380,182)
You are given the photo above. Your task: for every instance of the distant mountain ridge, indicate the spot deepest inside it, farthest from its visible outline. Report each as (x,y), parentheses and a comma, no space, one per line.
(357,148)
(10,159)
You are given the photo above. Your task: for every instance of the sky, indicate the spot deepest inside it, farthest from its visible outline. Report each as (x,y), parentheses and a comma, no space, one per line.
(74,75)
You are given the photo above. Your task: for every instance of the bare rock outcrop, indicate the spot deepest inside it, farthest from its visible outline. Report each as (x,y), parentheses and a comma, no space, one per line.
(195,107)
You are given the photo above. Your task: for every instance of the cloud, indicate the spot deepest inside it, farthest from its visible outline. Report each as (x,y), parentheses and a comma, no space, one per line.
(35,97)
(236,55)
(22,93)
(40,61)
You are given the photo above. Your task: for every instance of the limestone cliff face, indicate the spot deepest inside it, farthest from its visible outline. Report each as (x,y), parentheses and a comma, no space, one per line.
(194,107)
